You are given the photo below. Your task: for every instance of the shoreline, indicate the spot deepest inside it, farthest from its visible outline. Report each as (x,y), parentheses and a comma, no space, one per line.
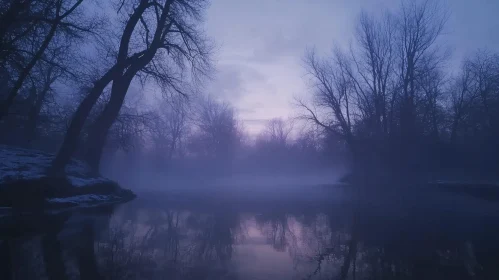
(24,185)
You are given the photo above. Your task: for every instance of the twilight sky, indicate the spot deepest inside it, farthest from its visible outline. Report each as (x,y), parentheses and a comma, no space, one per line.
(261,44)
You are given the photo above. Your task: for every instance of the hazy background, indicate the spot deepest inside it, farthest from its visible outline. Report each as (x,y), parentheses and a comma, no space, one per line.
(261,45)
(243,98)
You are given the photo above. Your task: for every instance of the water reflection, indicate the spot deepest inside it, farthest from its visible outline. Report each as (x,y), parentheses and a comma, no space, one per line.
(275,226)
(146,240)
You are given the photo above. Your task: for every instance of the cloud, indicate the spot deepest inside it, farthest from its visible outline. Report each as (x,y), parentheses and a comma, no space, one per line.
(247,110)
(274,46)
(262,43)
(233,80)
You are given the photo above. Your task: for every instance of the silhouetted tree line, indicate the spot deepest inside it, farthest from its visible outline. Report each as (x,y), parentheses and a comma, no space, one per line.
(70,69)
(392,99)
(54,46)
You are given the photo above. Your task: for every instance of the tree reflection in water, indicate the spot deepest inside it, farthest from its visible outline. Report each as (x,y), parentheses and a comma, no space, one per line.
(148,241)
(167,243)
(275,226)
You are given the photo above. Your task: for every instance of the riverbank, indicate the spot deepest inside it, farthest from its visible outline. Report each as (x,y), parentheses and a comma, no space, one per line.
(25,186)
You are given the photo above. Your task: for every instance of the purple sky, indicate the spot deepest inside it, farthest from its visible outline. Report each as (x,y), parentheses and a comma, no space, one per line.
(261,44)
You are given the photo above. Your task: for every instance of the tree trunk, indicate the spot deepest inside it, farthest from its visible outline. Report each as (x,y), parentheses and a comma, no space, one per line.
(72,135)
(34,112)
(455,124)
(98,133)
(435,126)
(71,139)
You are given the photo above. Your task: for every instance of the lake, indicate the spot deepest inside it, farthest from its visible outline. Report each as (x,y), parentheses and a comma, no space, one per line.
(312,234)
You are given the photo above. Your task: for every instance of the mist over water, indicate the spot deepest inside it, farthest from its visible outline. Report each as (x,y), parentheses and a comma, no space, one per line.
(198,139)
(240,175)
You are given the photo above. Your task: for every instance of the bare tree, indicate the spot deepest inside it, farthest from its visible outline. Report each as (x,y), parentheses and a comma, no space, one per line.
(17,25)
(170,127)
(45,87)
(475,97)
(217,133)
(277,132)
(372,70)
(62,11)
(130,129)
(390,86)
(419,25)
(461,99)
(159,39)
(431,80)
(332,92)
(485,77)
(177,41)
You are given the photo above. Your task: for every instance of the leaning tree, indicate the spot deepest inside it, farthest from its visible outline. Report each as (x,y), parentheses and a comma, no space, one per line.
(160,41)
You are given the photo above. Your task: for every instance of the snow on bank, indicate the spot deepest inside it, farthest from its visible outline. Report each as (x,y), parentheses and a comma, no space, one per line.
(23,164)
(84,200)
(465,182)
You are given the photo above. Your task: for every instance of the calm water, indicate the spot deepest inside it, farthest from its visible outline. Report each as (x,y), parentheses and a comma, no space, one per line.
(308,236)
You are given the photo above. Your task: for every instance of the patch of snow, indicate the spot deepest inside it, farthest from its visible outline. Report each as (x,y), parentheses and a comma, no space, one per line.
(464,182)
(80,182)
(84,200)
(79,199)
(16,164)
(19,164)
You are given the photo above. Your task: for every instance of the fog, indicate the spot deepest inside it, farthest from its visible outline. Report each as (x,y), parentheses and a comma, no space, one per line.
(395,95)
(243,174)
(197,139)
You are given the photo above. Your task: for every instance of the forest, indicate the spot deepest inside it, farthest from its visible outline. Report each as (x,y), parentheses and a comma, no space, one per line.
(77,83)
